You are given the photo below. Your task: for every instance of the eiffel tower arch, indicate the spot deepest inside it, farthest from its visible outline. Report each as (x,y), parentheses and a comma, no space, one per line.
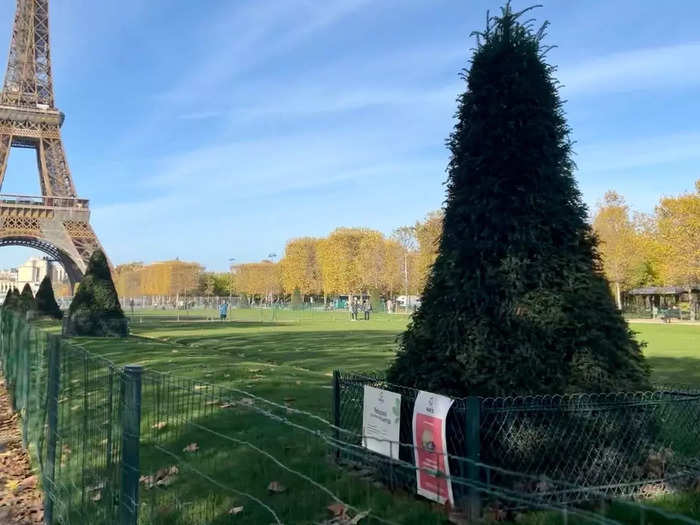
(56,222)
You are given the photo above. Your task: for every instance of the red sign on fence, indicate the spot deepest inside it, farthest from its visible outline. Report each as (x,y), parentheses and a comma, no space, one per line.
(433,470)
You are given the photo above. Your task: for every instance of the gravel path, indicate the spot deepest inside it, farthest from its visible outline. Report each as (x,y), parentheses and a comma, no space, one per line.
(20,498)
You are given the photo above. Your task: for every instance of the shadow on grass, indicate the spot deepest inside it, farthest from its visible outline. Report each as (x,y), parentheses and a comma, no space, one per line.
(676,371)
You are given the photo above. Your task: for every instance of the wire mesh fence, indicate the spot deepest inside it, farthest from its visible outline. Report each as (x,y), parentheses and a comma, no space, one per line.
(132,445)
(558,449)
(69,401)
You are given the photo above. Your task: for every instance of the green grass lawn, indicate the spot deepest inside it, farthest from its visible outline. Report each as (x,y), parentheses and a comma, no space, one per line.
(288,358)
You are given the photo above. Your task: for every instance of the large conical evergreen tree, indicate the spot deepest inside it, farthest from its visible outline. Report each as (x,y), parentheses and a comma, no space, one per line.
(95,309)
(46,301)
(516,301)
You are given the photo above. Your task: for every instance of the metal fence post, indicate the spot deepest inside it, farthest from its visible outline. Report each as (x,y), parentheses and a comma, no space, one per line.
(473,428)
(131,428)
(52,390)
(336,409)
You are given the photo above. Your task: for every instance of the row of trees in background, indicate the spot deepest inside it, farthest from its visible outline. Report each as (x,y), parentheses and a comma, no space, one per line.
(348,261)
(658,249)
(662,248)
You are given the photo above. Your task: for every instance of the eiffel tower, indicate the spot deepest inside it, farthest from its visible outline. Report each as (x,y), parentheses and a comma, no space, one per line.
(57,222)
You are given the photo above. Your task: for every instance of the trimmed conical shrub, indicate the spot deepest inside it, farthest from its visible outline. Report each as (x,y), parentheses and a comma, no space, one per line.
(26,299)
(10,302)
(516,301)
(46,301)
(95,310)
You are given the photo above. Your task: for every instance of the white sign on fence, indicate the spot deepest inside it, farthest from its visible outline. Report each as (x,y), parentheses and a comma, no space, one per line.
(381,420)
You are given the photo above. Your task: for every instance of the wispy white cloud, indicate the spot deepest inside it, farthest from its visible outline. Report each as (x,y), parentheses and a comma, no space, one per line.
(252,33)
(642,69)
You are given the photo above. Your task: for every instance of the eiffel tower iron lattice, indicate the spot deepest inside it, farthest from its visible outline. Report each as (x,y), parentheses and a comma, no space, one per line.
(57,222)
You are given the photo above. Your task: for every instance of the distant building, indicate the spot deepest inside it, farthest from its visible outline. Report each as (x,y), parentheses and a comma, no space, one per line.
(8,279)
(32,272)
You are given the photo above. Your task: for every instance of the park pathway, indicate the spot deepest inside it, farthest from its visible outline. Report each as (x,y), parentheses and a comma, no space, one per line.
(20,498)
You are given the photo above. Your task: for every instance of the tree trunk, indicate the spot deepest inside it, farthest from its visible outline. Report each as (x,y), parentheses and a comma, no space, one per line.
(618,299)
(691,303)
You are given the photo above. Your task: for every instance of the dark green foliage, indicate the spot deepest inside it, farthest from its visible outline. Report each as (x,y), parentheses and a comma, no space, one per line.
(45,301)
(26,300)
(516,301)
(11,299)
(297,300)
(95,310)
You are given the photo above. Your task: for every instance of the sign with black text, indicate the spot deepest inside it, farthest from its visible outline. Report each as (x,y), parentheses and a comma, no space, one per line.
(381,420)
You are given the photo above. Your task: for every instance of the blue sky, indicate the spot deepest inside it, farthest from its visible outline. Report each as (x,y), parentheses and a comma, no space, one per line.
(219,128)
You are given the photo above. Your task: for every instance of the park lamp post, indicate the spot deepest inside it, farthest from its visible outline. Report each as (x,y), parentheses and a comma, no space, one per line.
(272,256)
(230,279)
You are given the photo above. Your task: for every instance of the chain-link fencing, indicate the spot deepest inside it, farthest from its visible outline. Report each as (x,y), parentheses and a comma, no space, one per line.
(568,448)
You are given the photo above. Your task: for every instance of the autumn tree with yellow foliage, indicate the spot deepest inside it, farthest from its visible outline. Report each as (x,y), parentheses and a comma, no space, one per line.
(167,278)
(261,279)
(678,227)
(428,235)
(300,267)
(618,246)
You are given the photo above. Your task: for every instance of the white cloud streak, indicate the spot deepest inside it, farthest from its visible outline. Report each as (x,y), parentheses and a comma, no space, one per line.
(674,66)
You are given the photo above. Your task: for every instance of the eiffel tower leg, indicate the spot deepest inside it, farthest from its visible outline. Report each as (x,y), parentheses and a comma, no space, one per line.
(5,144)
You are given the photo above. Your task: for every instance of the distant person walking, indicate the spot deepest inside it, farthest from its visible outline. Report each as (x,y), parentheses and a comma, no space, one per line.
(131,305)
(223,311)
(389,305)
(366,308)
(354,309)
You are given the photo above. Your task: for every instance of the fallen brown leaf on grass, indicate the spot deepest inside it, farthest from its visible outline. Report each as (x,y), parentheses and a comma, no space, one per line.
(276,487)
(163,478)
(160,425)
(192,447)
(344,519)
(148,481)
(337,509)
(235,510)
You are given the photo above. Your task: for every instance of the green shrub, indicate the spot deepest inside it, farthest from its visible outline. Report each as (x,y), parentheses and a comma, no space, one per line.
(46,301)
(11,299)
(26,300)
(95,310)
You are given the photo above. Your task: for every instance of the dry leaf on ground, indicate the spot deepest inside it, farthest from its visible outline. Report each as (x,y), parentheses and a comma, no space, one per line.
(192,447)
(337,509)
(276,487)
(235,510)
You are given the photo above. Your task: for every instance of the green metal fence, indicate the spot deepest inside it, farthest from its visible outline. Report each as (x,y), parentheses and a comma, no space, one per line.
(134,446)
(571,448)
(70,403)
